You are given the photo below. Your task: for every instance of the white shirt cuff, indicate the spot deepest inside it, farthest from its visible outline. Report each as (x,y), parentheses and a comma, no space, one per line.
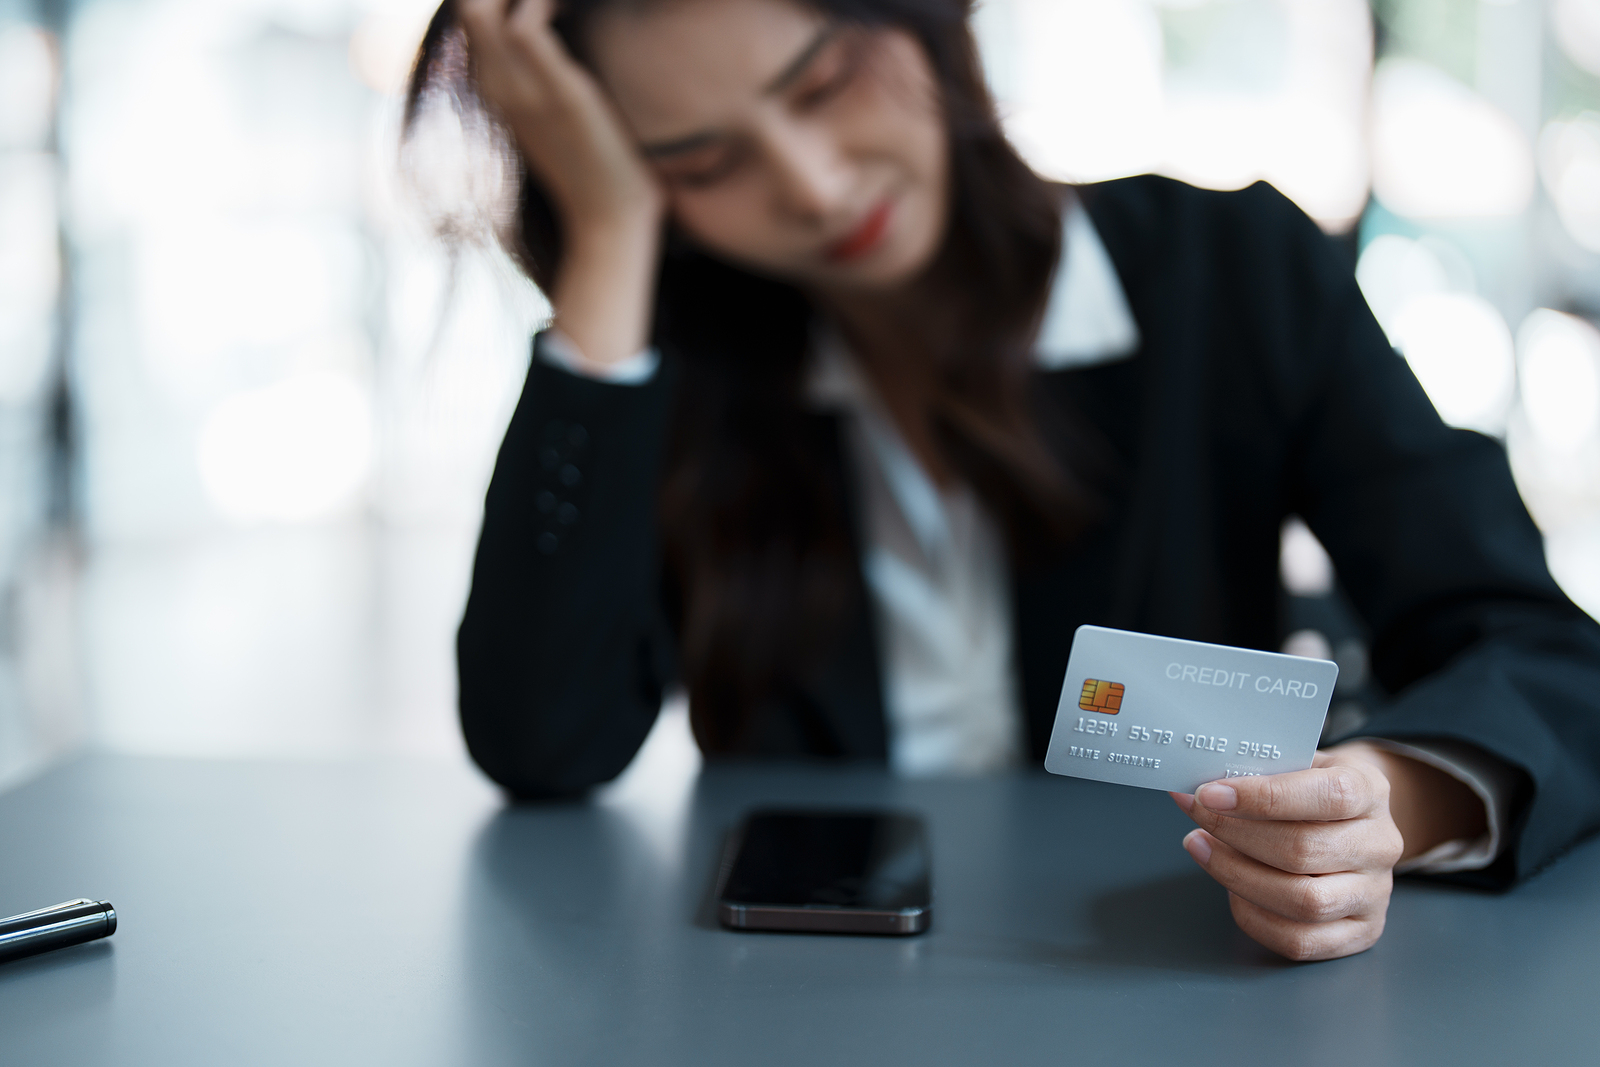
(1490,779)
(561,351)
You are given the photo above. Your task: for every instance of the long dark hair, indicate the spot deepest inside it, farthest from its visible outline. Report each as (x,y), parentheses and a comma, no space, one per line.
(755,528)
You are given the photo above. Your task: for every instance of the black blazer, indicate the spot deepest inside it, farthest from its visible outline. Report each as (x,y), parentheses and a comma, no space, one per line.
(1263,388)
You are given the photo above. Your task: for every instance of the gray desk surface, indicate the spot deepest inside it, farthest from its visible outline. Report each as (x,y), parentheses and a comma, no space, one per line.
(397,913)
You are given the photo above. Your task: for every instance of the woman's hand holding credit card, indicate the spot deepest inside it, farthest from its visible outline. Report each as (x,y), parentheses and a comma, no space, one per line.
(1303,840)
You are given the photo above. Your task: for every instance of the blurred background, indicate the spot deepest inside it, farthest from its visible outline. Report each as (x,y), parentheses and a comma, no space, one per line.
(249,402)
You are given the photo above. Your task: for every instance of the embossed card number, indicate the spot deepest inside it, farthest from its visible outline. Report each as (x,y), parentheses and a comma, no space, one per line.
(1162,713)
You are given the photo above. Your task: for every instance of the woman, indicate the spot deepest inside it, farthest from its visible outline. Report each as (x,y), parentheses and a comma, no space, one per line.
(847,420)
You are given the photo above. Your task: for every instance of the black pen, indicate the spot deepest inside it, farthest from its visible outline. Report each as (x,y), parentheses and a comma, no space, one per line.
(71,923)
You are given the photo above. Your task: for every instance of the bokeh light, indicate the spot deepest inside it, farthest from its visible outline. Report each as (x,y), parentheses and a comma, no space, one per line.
(1394,270)
(1577,31)
(1569,165)
(295,450)
(1460,349)
(1457,343)
(1215,93)
(1304,566)
(1558,360)
(27,85)
(384,43)
(1060,54)
(1442,151)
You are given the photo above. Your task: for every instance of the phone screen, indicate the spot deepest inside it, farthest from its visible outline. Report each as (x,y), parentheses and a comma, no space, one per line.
(839,871)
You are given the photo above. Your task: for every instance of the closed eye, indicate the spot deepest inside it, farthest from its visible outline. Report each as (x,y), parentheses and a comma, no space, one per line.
(822,71)
(701,167)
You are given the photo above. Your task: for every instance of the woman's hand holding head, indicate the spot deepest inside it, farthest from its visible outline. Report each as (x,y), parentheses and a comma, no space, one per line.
(568,132)
(796,145)
(565,127)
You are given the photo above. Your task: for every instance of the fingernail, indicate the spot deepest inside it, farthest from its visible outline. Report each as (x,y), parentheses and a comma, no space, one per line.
(1183,800)
(1217,797)
(1198,846)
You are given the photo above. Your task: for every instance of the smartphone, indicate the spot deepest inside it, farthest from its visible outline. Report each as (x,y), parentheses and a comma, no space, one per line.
(841,872)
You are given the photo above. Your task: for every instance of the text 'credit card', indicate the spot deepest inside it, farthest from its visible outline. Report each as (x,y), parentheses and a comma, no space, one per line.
(1163,713)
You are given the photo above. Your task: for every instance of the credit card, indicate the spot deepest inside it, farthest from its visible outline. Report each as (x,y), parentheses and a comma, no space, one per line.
(1162,713)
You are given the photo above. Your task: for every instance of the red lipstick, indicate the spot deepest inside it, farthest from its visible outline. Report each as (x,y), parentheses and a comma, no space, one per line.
(865,237)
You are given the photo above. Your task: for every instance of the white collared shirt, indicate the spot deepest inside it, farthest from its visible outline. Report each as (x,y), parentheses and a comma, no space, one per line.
(934,559)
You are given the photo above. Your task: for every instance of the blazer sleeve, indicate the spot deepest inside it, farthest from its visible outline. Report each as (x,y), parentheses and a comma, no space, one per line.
(1471,637)
(563,652)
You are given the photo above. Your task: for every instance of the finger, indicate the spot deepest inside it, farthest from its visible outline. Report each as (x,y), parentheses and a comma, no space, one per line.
(526,13)
(529,26)
(1298,897)
(1322,794)
(521,68)
(503,10)
(482,21)
(480,17)
(1304,942)
(492,25)
(542,55)
(1305,847)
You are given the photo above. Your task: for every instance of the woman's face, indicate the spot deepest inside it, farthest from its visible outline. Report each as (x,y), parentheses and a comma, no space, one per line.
(799,147)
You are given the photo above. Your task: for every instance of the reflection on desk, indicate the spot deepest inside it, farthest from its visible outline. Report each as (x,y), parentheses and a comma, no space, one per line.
(400,913)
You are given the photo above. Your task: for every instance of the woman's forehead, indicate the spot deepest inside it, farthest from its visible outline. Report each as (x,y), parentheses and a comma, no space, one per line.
(679,68)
